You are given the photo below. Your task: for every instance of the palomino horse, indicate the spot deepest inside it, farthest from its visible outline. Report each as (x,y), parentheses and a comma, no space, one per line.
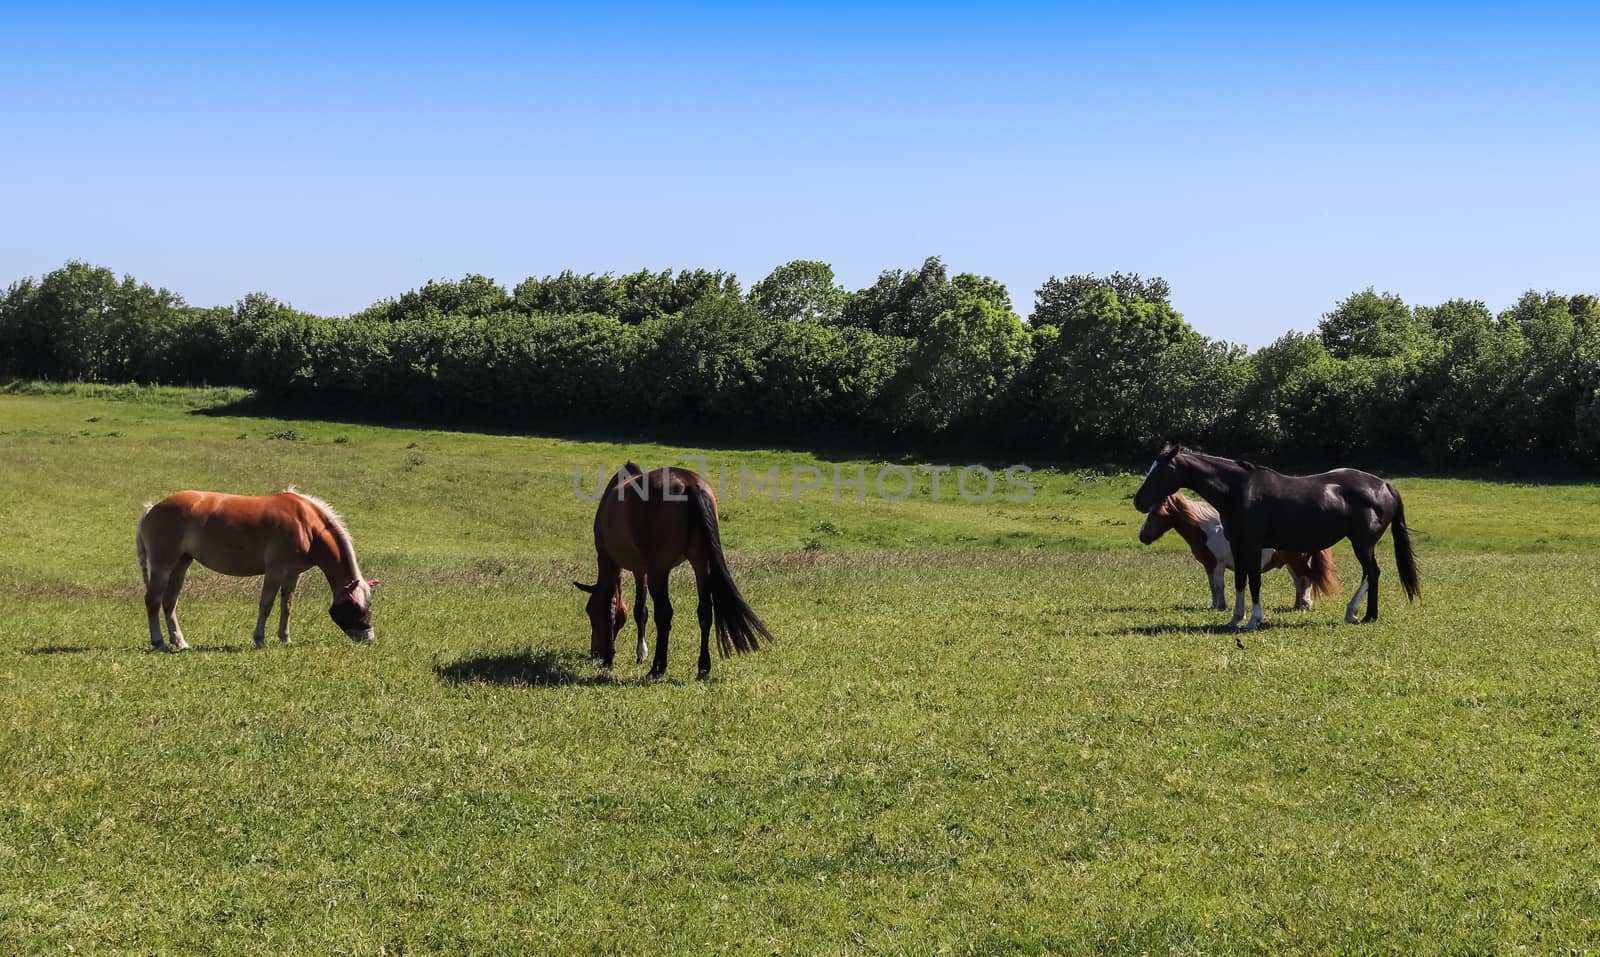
(1201,527)
(277,536)
(1261,508)
(649,524)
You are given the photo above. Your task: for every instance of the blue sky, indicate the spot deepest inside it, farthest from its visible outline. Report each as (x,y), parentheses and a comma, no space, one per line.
(1266,161)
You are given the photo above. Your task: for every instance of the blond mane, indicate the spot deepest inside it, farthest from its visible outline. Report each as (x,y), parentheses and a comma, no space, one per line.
(335,521)
(1196,513)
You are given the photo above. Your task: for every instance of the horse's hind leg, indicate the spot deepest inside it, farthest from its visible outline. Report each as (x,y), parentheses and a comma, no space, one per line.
(702,584)
(154,589)
(286,604)
(270,584)
(658,592)
(641,613)
(169,602)
(1369,580)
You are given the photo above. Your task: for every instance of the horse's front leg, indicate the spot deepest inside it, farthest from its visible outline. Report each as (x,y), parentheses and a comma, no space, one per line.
(1255,596)
(286,604)
(270,584)
(1239,579)
(1218,576)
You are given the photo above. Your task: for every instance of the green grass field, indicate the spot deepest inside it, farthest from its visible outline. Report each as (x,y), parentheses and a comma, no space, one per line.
(985,728)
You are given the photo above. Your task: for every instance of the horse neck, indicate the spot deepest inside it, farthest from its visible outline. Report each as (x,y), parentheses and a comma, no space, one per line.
(1214,479)
(336,557)
(1193,534)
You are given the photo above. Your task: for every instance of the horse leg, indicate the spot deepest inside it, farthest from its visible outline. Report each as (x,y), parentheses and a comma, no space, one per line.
(702,584)
(1300,573)
(641,613)
(1371,573)
(1368,566)
(169,602)
(1239,578)
(1218,579)
(286,604)
(658,592)
(1255,595)
(154,589)
(270,583)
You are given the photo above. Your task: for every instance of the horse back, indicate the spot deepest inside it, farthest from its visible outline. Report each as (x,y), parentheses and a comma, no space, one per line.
(233,534)
(648,526)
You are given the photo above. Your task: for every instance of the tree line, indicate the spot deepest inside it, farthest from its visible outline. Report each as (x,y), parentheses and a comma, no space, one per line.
(1102,365)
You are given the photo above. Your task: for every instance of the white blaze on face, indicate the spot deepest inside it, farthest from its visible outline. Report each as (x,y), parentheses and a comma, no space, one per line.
(1153,466)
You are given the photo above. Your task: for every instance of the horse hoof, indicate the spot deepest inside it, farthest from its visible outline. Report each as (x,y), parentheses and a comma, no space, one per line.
(1369,619)
(1350,619)
(703,675)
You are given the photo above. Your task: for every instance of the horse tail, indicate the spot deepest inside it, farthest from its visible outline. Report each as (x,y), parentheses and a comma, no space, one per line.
(1324,573)
(737,625)
(1404,559)
(138,545)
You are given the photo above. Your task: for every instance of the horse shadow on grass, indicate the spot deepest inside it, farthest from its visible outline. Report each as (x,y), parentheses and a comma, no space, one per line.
(57,650)
(1218,628)
(526,668)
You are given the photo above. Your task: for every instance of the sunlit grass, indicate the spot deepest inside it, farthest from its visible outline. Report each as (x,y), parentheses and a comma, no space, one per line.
(985,727)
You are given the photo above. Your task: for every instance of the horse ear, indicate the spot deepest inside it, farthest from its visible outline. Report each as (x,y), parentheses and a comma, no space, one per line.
(580,586)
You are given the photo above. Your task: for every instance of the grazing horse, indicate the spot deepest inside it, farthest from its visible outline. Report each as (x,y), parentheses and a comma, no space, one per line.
(649,524)
(1201,527)
(1261,508)
(276,536)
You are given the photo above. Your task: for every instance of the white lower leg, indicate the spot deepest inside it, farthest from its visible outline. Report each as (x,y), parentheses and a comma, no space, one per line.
(1238,608)
(1255,617)
(1351,610)
(175,631)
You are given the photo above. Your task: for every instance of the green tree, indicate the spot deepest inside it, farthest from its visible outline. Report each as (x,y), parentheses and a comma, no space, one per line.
(902,303)
(1374,324)
(802,290)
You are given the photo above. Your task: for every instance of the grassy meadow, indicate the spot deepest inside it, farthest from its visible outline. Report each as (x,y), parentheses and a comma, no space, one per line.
(986,727)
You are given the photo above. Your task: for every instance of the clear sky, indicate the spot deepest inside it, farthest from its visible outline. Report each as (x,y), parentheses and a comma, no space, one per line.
(1266,161)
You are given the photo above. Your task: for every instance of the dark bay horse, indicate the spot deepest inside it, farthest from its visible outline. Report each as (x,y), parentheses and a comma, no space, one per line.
(275,536)
(1262,508)
(648,525)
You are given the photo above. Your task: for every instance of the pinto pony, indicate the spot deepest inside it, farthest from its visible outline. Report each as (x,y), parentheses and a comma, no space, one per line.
(650,524)
(1201,527)
(1262,508)
(277,536)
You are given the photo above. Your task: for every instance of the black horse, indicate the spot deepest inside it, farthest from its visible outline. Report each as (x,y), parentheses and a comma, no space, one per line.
(1263,508)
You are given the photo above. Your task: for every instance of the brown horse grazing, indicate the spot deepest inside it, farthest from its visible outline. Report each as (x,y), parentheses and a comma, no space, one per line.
(1201,527)
(649,524)
(277,536)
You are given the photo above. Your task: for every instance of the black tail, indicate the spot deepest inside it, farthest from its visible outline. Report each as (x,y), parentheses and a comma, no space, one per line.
(1404,559)
(737,625)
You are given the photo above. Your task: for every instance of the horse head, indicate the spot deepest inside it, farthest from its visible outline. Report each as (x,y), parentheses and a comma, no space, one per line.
(352,609)
(1164,478)
(1161,521)
(607,613)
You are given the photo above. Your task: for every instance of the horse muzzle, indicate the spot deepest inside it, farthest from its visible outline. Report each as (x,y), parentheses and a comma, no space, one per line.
(360,634)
